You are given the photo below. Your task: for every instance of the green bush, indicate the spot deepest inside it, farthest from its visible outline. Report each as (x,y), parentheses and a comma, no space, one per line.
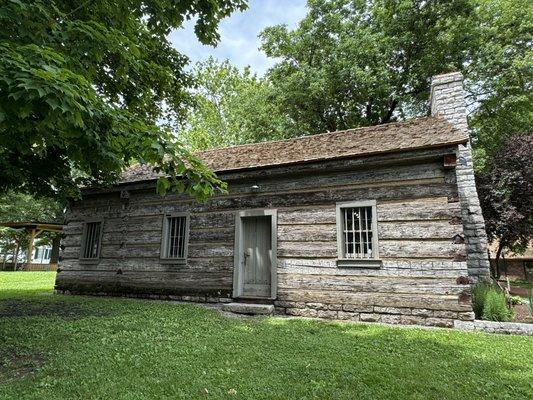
(516,300)
(479,294)
(531,304)
(495,308)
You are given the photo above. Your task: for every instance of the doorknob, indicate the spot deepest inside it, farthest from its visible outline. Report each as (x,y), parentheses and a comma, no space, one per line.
(246,255)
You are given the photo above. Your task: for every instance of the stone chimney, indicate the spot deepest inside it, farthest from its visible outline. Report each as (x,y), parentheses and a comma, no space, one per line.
(448,100)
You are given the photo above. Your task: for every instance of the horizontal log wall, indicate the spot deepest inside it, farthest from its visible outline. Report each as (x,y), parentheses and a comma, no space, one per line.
(418,216)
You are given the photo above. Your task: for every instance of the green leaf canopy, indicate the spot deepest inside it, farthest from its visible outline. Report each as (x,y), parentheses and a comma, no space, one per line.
(83,84)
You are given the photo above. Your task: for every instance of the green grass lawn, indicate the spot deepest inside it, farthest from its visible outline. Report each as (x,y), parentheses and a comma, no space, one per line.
(69,347)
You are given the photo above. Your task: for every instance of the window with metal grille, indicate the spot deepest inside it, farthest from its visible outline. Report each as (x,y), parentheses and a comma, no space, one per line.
(357,232)
(91,240)
(175,232)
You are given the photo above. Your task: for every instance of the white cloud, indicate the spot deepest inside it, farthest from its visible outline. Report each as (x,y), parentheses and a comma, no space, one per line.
(239,42)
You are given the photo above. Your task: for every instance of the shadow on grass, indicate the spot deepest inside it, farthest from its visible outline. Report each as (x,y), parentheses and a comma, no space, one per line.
(47,307)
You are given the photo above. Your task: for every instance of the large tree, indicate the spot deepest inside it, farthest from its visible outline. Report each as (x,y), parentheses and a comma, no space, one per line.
(352,63)
(500,74)
(506,195)
(84,87)
(230,107)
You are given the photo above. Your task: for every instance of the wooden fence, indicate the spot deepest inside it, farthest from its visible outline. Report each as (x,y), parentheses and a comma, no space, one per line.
(40,267)
(29,267)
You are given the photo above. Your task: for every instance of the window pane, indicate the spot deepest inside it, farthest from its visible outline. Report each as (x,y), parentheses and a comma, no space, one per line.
(175,237)
(92,240)
(357,232)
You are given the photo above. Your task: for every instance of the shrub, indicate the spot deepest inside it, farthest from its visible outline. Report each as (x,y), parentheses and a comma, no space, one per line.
(495,308)
(531,304)
(479,294)
(516,300)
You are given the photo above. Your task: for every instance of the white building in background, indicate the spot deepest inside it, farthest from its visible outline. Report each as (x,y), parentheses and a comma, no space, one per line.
(41,254)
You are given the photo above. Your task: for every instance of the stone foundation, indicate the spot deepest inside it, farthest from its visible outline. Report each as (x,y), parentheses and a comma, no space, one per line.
(388,315)
(192,299)
(343,312)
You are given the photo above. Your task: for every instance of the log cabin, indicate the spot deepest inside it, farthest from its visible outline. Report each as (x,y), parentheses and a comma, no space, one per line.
(378,224)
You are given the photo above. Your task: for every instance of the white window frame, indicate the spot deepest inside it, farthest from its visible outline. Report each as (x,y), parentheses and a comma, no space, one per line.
(375,261)
(164,239)
(84,242)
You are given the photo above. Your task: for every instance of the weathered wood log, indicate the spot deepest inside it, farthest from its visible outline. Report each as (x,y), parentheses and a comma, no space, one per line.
(425,301)
(413,210)
(189,278)
(150,264)
(128,238)
(400,190)
(411,249)
(440,229)
(326,179)
(366,284)
(154,223)
(412,268)
(145,282)
(301,233)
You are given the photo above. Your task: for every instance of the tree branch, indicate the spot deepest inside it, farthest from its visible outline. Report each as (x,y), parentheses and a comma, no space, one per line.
(390,112)
(369,110)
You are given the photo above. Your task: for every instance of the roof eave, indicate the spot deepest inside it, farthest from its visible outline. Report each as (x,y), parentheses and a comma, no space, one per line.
(256,167)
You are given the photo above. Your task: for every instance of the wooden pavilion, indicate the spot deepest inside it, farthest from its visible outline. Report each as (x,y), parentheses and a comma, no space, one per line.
(34,229)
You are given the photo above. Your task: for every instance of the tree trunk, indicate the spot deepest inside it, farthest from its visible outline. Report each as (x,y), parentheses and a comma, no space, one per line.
(54,257)
(501,245)
(386,118)
(369,111)
(4,260)
(16,256)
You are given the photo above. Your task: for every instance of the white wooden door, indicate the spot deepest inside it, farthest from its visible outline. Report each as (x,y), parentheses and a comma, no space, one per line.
(256,257)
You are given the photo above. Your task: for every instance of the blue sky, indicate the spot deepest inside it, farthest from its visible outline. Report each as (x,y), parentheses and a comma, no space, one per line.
(239,42)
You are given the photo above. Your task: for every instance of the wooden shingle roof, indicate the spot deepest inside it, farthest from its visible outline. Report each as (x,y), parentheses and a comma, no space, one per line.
(419,133)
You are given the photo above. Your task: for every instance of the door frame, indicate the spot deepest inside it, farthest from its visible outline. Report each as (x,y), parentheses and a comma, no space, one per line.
(238,262)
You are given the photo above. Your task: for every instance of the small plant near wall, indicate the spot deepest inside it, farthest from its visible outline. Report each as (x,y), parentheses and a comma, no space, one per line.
(479,294)
(495,308)
(489,303)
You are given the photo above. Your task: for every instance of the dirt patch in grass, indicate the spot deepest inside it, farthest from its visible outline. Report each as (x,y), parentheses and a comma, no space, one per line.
(520,291)
(523,314)
(14,366)
(34,308)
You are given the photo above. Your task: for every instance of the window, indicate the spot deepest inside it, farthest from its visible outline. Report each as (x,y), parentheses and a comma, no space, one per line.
(91,243)
(357,239)
(175,237)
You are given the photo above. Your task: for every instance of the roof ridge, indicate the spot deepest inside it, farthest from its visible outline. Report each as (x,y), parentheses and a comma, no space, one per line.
(416,133)
(297,138)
